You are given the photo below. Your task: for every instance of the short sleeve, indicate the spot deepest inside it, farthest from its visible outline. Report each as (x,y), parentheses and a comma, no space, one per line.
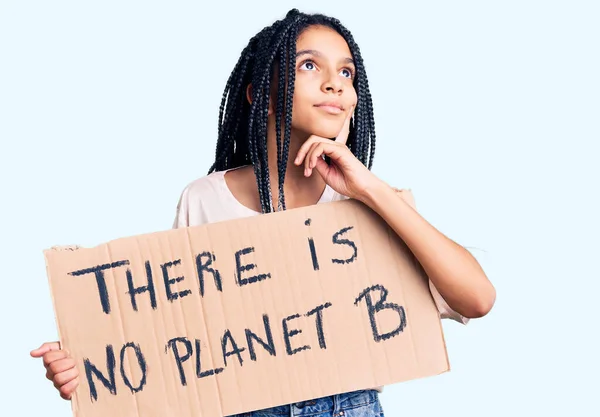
(446,312)
(182,211)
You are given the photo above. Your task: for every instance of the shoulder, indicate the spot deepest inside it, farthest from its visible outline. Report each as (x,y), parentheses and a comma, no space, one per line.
(197,199)
(204,187)
(208,200)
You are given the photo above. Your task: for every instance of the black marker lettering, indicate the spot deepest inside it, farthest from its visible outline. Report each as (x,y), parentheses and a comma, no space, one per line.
(199,372)
(311,246)
(227,337)
(269,346)
(350,243)
(205,267)
(141,362)
(133,291)
(247,267)
(178,358)
(319,322)
(99,272)
(90,370)
(287,335)
(377,307)
(170,281)
(313,253)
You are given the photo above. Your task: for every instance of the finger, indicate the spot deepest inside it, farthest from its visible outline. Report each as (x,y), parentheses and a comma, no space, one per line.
(305,148)
(331,149)
(307,161)
(342,137)
(313,154)
(46,347)
(61,365)
(65,377)
(322,168)
(307,157)
(54,355)
(67,390)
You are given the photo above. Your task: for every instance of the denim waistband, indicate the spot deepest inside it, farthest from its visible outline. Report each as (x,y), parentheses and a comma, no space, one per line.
(335,404)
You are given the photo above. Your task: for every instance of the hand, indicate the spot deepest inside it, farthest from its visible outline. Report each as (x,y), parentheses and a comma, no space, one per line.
(346,174)
(60,368)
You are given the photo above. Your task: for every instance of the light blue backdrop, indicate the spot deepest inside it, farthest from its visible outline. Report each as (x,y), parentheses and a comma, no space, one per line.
(489,111)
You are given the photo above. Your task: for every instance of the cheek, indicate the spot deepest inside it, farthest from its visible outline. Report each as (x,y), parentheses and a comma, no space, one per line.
(302,93)
(302,104)
(353,97)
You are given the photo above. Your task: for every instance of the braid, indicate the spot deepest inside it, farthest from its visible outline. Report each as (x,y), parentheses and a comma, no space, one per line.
(291,70)
(278,113)
(225,151)
(242,128)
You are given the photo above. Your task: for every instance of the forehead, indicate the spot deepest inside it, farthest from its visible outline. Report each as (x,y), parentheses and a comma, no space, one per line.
(325,40)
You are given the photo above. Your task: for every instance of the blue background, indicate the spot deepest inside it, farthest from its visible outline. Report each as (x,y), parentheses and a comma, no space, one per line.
(488,111)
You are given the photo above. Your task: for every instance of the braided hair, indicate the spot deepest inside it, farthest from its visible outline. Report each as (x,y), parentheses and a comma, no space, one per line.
(242,130)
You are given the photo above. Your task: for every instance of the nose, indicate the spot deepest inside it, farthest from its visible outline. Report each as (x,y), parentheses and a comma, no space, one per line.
(333,84)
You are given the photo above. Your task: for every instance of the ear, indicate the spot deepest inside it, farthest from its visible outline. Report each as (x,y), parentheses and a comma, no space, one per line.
(249,93)
(272,96)
(249,98)
(270,111)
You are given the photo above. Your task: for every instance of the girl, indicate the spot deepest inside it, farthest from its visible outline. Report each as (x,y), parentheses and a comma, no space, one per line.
(296,128)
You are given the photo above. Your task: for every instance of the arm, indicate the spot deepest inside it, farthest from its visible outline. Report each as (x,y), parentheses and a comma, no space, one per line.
(454,272)
(451,268)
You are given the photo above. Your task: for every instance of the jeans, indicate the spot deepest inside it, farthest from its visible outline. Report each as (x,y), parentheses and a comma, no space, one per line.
(363,403)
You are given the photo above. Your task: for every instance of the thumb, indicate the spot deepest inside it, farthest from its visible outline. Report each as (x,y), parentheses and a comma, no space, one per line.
(342,137)
(46,347)
(322,168)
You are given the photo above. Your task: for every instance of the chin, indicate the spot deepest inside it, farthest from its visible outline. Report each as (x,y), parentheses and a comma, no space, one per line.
(328,134)
(326,128)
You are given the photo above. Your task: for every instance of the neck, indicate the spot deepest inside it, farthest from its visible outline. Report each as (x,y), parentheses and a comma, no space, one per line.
(299,190)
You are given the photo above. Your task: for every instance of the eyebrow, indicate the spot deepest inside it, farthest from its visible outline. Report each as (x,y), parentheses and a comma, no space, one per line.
(319,54)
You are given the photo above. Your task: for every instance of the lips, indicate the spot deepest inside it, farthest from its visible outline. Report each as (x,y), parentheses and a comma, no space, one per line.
(330,107)
(330,104)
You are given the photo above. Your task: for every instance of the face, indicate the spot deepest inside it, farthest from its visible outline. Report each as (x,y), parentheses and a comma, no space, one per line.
(324,91)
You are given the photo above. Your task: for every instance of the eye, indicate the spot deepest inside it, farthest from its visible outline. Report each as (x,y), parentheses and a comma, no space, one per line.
(308,65)
(346,72)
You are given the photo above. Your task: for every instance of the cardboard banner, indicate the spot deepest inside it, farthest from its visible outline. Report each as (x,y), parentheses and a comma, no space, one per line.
(243,315)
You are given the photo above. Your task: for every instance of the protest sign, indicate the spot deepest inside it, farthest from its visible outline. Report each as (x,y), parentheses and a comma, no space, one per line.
(245,314)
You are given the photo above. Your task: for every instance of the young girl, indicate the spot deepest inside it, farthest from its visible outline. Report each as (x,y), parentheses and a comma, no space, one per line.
(296,128)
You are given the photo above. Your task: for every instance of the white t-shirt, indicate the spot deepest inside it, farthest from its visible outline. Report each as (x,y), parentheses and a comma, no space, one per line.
(209,200)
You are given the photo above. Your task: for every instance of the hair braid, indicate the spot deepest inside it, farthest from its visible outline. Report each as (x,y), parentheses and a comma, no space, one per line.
(242,129)
(291,70)
(278,113)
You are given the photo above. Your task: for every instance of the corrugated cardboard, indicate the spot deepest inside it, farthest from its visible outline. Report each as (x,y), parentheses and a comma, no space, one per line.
(245,314)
